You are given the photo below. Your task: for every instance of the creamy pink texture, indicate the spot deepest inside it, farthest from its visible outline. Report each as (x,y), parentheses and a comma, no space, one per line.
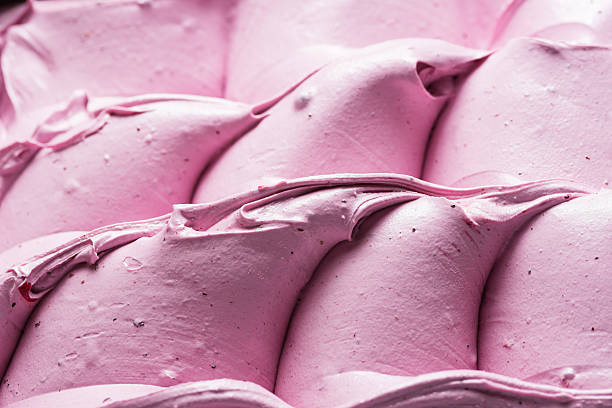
(227,273)
(545,313)
(445,388)
(215,393)
(396,90)
(403,298)
(191,308)
(64,46)
(211,273)
(153,147)
(576,21)
(282,41)
(534,109)
(14,311)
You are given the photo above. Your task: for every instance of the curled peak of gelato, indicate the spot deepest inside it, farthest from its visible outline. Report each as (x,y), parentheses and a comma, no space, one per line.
(79,118)
(378,118)
(256,208)
(42,272)
(460,388)
(312,31)
(70,157)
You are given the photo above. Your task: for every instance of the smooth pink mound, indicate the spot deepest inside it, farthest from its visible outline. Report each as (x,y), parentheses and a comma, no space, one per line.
(131,159)
(546,310)
(535,110)
(369,112)
(275,43)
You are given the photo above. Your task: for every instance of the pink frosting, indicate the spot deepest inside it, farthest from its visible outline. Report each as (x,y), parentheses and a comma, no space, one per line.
(446,388)
(64,46)
(88,397)
(545,314)
(208,274)
(254,293)
(395,89)
(282,41)
(153,148)
(529,92)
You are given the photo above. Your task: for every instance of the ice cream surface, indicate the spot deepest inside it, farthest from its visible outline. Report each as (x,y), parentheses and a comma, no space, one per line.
(278,204)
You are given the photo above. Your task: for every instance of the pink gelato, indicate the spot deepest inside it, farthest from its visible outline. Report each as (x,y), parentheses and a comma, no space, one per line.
(217,203)
(535,109)
(274,43)
(153,147)
(371,111)
(402,298)
(63,46)
(576,21)
(228,275)
(545,313)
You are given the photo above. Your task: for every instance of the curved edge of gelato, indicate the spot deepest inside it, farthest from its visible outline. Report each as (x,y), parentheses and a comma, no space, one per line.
(108,160)
(578,22)
(378,118)
(459,388)
(445,388)
(217,393)
(80,118)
